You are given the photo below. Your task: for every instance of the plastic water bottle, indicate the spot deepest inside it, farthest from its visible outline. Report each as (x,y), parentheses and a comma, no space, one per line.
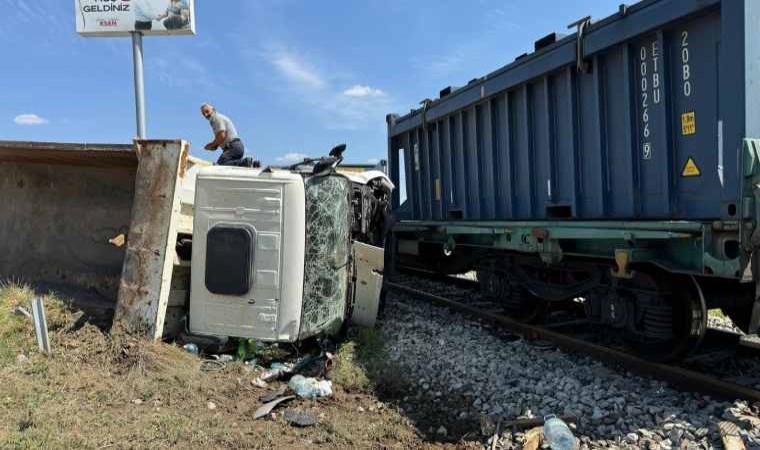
(191,348)
(557,434)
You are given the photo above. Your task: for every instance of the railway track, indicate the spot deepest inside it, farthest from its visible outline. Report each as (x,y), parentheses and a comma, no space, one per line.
(463,295)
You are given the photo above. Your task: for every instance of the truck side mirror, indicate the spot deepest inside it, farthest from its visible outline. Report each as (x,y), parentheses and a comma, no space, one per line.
(338,150)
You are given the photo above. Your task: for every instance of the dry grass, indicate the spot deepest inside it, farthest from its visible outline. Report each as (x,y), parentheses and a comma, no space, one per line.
(114,391)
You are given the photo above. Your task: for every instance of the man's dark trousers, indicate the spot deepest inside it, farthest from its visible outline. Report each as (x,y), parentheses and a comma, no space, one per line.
(232,154)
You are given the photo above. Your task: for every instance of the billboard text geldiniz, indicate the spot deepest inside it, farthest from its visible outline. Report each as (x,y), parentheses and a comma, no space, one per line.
(121,17)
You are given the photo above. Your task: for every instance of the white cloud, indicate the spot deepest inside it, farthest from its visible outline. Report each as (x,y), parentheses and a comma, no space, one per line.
(297,70)
(292,158)
(352,113)
(363,91)
(314,83)
(30,119)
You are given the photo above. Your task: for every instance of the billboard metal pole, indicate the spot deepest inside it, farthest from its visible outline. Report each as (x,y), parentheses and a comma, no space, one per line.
(137,57)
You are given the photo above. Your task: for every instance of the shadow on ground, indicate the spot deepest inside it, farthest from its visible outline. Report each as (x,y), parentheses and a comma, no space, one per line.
(364,367)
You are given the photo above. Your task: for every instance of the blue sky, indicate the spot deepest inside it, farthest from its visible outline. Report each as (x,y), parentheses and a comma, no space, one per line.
(296,77)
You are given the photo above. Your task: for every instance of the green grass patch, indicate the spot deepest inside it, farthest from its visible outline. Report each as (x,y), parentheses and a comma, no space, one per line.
(16,332)
(716,313)
(362,360)
(17,335)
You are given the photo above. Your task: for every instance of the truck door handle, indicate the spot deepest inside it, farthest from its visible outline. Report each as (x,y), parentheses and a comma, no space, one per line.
(251,301)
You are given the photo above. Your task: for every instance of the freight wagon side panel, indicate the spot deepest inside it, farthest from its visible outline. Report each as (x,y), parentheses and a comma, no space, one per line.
(651,131)
(694,84)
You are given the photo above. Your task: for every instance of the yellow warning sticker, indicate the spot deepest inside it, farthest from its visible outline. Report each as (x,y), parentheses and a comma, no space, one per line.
(688,123)
(690,169)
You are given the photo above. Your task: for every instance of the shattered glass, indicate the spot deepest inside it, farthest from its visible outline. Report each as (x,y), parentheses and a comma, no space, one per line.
(327,252)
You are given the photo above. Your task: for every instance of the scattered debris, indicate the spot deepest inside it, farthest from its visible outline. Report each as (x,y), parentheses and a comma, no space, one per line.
(21,358)
(557,434)
(276,370)
(21,311)
(118,241)
(258,382)
(212,365)
(729,434)
(159,390)
(534,422)
(267,408)
(208,344)
(310,387)
(532,439)
(315,366)
(441,431)
(211,405)
(274,394)
(300,418)
(310,365)
(223,358)
(191,348)
(250,365)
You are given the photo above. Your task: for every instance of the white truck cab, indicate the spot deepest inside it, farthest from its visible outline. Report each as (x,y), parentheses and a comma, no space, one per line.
(248,251)
(283,255)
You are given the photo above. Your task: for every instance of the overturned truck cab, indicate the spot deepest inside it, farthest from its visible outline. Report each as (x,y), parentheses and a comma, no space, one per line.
(281,255)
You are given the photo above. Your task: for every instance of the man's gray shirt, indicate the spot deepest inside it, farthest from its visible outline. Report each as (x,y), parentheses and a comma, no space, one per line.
(220,122)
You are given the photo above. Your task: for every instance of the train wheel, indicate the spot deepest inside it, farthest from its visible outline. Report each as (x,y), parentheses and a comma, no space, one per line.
(523,306)
(674,329)
(518,303)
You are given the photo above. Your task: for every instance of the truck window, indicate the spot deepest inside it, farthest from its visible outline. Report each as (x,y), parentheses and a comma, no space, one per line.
(229,257)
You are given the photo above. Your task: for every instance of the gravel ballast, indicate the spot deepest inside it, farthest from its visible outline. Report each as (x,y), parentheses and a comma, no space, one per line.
(467,375)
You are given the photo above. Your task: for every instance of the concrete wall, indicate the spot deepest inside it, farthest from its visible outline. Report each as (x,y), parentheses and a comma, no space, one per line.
(59,206)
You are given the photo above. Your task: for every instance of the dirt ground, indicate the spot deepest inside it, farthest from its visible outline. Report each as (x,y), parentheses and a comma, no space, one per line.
(102,390)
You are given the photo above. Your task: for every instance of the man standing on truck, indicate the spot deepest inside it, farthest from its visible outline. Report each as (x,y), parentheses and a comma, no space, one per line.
(225,136)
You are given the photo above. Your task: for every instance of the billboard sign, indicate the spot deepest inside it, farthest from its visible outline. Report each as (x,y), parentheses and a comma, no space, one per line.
(121,17)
